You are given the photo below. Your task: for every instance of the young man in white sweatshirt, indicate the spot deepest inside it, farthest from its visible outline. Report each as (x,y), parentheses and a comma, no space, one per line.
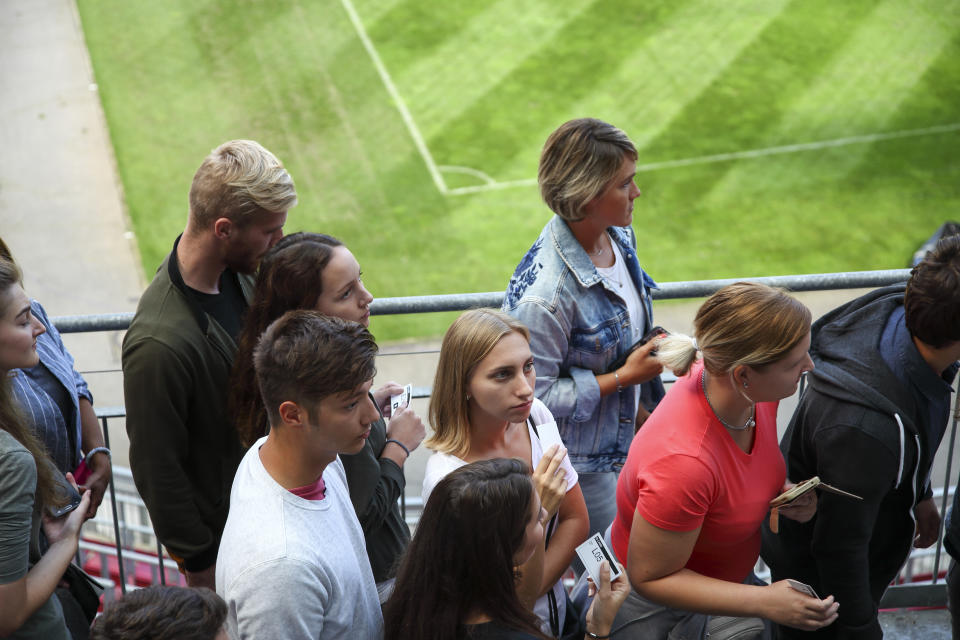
(292,561)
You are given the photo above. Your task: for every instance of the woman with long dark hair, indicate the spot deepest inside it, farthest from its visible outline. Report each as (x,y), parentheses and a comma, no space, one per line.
(27,486)
(458,578)
(316,271)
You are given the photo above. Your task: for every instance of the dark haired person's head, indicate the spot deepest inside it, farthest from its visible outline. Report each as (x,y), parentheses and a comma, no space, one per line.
(305,357)
(302,271)
(290,277)
(480,523)
(163,613)
(932,300)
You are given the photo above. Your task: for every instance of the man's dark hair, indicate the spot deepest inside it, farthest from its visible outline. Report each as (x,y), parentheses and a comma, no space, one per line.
(932,301)
(162,613)
(305,356)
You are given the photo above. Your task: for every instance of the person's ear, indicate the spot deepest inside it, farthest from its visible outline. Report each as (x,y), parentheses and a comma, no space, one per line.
(740,376)
(223,227)
(292,414)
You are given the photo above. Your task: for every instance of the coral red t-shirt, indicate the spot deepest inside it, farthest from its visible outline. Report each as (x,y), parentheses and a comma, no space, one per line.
(684,470)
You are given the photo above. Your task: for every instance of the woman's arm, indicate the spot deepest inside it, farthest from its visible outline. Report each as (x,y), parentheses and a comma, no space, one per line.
(656,563)
(641,366)
(91,437)
(19,600)
(573,526)
(530,578)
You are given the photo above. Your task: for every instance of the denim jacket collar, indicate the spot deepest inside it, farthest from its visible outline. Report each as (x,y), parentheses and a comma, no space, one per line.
(579,263)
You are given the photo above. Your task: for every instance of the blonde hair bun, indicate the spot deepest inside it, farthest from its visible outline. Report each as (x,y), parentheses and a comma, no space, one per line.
(677,352)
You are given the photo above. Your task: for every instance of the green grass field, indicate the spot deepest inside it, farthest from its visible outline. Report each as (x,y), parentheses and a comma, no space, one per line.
(484,83)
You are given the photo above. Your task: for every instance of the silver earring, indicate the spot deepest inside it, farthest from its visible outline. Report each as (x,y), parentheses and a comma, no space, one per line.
(745,384)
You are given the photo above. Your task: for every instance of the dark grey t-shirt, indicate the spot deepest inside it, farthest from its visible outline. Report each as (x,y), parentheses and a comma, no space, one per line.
(19,536)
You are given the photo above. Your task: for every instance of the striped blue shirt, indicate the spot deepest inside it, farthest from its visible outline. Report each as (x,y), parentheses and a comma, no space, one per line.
(50,393)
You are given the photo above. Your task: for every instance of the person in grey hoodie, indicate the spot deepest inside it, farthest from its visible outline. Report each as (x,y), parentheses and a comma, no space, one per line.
(870,423)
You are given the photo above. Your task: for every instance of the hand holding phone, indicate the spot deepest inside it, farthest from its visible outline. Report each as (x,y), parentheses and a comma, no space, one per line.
(650,335)
(66,495)
(64,522)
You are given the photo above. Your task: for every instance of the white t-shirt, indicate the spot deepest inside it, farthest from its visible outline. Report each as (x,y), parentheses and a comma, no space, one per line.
(289,567)
(440,464)
(619,279)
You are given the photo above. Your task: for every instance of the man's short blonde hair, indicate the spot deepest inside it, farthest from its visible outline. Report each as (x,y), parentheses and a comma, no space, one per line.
(578,162)
(239,180)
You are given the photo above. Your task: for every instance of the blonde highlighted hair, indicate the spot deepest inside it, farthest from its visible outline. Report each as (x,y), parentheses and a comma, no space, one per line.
(239,180)
(468,341)
(745,323)
(578,162)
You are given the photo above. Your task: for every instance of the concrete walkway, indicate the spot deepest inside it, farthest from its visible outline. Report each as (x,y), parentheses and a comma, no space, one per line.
(61,207)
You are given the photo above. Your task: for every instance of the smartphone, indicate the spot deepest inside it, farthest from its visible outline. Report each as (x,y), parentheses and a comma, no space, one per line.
(67,497)
(653,333)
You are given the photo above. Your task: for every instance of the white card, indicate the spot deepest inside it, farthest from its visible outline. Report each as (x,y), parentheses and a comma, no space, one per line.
(803,588)
(400,400)
(592,553)
(549,435)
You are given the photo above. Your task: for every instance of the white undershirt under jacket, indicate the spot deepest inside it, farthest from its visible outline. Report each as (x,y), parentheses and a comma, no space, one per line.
(618,278)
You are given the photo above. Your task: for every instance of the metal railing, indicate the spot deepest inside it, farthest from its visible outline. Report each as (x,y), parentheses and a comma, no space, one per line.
(131,528)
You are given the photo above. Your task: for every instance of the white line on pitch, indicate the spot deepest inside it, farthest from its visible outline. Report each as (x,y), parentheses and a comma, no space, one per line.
(739,155)
(392,90)
(804,146)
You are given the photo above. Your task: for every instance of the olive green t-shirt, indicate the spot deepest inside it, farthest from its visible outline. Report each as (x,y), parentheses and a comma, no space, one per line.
(20,536)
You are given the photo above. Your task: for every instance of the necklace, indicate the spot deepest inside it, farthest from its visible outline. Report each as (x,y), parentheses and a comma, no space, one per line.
(612,279)
(750,422)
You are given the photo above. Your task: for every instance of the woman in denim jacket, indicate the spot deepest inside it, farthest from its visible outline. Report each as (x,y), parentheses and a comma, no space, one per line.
(586,301)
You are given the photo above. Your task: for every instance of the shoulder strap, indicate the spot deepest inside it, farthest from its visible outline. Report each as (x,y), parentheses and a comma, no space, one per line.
(533,426)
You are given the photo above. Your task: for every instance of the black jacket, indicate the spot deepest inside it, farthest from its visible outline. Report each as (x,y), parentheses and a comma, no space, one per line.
(857,428)
(376,485)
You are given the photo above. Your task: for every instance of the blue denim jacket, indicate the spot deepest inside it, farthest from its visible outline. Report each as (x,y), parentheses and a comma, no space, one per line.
(578,327)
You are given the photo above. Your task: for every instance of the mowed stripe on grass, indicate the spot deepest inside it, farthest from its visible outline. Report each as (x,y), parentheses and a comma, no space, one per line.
(486,82)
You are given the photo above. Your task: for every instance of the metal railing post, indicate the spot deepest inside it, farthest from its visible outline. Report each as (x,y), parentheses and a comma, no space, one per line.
(946,488)
(116,519)
(163,572)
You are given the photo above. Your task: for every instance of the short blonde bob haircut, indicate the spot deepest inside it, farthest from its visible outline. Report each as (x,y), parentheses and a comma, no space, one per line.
(240,181)
(745,323)
(467,342)
(579,161)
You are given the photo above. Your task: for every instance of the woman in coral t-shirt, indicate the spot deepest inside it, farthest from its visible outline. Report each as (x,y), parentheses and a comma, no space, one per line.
(700,475)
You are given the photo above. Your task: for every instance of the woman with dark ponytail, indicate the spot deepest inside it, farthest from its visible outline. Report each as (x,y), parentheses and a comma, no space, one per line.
(27,580)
